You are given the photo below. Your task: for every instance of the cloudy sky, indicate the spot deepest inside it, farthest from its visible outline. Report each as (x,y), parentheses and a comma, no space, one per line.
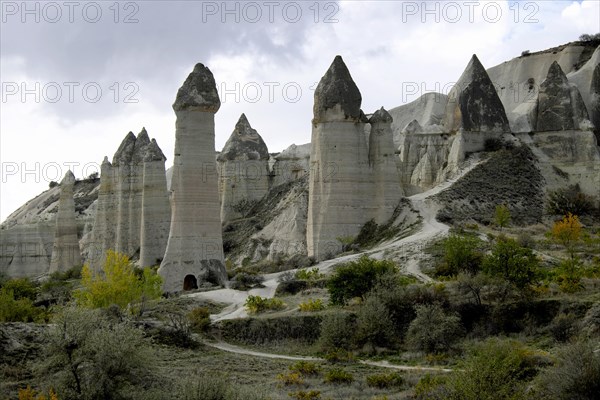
(77,76)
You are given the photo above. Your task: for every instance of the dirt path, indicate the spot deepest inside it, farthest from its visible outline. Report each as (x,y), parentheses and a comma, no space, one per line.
(407,250)
(382,364)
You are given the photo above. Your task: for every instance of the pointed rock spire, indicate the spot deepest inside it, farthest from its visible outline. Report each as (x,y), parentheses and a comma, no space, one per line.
(139,149)
(68,179)
(198,92)
(595,100)
(125,150)
(381,115)
(244,143)
(65,252)
(154,153)
(413,127)
(560,106)
(337,87)
(474,104)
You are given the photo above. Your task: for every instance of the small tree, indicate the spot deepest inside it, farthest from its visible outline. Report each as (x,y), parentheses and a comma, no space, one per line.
(502,216)
(356,278)
(567,232)
(118,285)
(433,330)
(516,264)
(462,254)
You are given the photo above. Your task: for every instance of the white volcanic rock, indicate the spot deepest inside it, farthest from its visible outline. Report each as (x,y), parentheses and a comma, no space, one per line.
(26,249)
(583,76)
(518,80)
(473,103)
(291,164)
(104,233)
(340,184)
(156,209)
(65,252)
(594,108)
(560,106)
(427,110)
(382,160)
(195,246)
(243,169)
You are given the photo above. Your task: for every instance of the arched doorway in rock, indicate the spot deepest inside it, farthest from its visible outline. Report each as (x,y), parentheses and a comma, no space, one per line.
(190,282)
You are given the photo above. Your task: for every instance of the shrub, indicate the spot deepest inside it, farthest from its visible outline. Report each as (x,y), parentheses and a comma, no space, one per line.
(495,369)
(306,368)
(22,288)
(338,376)
(257,304)
(569,200)
(356,278)
(30,394)
(433,330)
(337,331)
(93,357)
(576,375)
(562,327)
(431,387)
(339,356)
(118,285)
(384,381)
(214,388)
(300,328)
(245,281)
(309,275)
(312,305)
(493,144)
(199,319)
(290,378)
(518,265)
(13,310)
(302,395)
(590,325)
(374,325)
(461,254)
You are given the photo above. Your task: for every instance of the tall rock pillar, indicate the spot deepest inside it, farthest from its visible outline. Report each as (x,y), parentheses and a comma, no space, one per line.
(382,159)
(195,245)
(156,210)
(65,252)
(244,169)
(340,184)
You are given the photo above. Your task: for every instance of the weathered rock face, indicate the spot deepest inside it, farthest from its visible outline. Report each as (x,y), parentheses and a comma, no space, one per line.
(156,209)
(518,80)
(560,106)
(243,169)
(428,111)
(595,101)
(340,184)
(473,104)
(291,164)
(65,252)
(195,246)
(382,159)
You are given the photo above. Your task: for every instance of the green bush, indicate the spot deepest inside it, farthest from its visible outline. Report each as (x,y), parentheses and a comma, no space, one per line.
(245,281)
(576,374)
(356,278)
(304,395)
(298,328)
(214,388)
(21,310)
(495,369)
(338,376)
(312,305)
(570,200)
(433,330)
(338,356)
(22,288)
(374,325)
(518,265)
(94,358)
(306,368)
(257,304)
(309,275)
(461,254)
(199,319)
(563,327)
(590,325)
(431,387)
(385,381)
(337,331)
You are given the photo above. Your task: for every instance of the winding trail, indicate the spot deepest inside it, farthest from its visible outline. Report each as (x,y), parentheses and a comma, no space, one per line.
(408,250)
(381,364)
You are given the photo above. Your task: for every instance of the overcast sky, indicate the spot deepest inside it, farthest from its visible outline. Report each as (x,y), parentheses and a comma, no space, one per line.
(77,76)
